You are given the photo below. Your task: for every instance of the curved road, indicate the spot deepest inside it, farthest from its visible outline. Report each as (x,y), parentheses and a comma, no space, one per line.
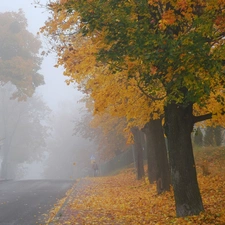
(24,202)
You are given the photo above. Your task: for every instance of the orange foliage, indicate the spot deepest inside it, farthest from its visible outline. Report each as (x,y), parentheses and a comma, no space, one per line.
(63,1)
(112,137)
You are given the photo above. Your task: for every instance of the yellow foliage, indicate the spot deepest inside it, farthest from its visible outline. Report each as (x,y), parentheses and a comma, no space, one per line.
(213,106)
(124,94)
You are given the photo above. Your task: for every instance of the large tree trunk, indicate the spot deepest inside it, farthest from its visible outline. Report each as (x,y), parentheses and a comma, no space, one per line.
(138,152)
(158,152)
(179,122)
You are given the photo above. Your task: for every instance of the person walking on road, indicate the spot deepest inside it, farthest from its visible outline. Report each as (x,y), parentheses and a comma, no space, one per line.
(94,166)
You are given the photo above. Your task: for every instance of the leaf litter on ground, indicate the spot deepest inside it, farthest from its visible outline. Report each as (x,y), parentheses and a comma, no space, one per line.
(123,200)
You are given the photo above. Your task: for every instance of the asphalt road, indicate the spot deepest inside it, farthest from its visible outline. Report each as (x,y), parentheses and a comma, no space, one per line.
(25,202)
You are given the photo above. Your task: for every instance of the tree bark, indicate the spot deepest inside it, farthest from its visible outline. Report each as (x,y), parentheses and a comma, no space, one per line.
(151,155)
(163,171)
(179,122)
(159,155)
(138,152)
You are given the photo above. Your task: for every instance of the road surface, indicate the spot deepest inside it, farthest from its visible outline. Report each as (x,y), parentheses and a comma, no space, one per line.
(25,202)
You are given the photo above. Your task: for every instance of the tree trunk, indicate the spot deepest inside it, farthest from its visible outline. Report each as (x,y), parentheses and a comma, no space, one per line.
(4,169)
(159,144)
(151,155)
(159,152)
(179,122)
(138,152)
(4,164)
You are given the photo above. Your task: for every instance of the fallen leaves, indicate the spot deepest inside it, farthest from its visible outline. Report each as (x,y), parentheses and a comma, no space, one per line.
(55,210)
(121,199)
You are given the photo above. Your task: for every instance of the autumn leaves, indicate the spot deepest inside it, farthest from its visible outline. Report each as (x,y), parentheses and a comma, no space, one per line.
(145,60)
(121,199)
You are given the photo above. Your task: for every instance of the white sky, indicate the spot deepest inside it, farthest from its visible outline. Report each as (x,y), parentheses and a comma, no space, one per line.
(55,90)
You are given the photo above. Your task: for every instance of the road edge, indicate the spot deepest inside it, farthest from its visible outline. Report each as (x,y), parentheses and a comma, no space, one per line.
(55,212)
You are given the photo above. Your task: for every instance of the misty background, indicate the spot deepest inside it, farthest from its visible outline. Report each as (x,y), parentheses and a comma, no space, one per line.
(41,129)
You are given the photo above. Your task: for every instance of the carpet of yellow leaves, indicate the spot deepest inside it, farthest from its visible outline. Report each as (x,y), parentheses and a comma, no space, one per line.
(121,199)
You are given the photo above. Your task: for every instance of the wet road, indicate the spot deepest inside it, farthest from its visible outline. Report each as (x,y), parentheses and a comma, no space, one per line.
(25,202)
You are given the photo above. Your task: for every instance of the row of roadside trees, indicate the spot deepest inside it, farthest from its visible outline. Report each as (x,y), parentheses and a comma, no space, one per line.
(157,64)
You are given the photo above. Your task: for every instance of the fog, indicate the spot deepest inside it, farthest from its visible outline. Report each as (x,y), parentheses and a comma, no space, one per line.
(36,134)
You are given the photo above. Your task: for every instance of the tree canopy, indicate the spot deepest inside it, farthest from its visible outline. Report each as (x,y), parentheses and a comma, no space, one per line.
(173,50)
(165,45)
(19,59)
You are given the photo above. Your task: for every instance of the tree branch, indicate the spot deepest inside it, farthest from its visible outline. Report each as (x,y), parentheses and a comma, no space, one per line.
(149,96)
(202,117)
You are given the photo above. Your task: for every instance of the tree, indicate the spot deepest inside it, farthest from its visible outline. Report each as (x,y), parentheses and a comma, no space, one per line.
(209,136)
(105,131)
(23,130)
(218,135)
(138,149)
(158,165)
(68,154)
(198,137)
(119,97)
(213,136)
(19,63)
(116,95)
(172,47)
(19,60)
